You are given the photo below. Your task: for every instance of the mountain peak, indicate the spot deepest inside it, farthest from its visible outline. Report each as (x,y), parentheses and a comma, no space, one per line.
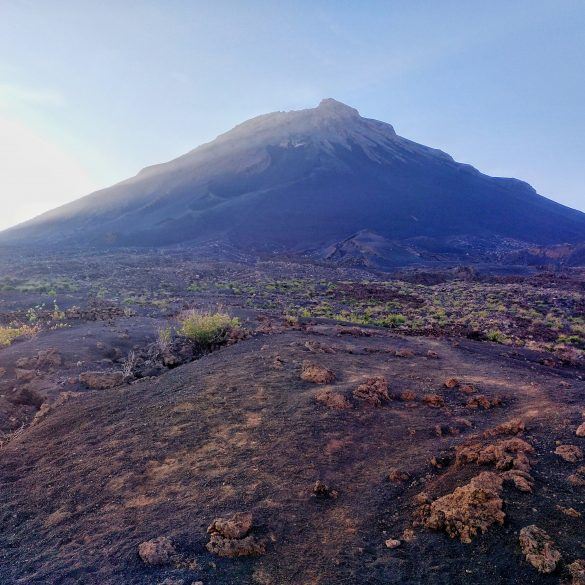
(331,106)
(300,179)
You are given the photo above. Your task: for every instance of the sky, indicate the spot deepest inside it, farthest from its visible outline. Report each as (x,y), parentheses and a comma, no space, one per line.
(93,91)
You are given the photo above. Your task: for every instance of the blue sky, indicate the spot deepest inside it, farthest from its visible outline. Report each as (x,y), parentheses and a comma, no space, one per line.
(92,91)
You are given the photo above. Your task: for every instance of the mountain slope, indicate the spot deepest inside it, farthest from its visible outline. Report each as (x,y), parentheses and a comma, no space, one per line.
(305,179)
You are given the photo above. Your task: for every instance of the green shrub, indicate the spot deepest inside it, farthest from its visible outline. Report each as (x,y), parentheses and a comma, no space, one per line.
(496,336)
(207,329)
(9,334)
(392,320)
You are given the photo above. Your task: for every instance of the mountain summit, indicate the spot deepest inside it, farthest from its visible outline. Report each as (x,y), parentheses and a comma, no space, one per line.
(306,180)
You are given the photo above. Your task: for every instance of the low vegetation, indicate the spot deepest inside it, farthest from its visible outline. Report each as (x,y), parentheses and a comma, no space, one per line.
(10,333)
(206,328)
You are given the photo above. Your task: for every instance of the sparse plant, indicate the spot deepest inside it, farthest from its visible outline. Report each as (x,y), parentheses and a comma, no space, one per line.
(58,314)
(129,365)
(12,332)
(33,314)
(164,338)
(496,336)
(206,328)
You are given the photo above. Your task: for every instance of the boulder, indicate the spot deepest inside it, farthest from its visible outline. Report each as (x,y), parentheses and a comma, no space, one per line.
(374,391)
(23,375)
(577,479)
(317,374)
(158,551)
(101,380)
(27,397)
(434,400)
(451,383)
(230,537)
(332,399)
(396,475)
(469,509)
(577,570)
(514,426)
(539,549)
(49,358)
(237,526)
(570,453)
(322,490)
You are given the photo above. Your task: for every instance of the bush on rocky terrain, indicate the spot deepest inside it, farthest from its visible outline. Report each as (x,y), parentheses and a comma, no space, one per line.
(10,333)
(206,328)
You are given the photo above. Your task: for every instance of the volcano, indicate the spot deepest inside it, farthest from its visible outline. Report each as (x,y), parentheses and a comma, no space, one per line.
(308,180)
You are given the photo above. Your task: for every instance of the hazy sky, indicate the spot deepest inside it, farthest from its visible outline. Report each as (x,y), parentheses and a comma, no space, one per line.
(92,91)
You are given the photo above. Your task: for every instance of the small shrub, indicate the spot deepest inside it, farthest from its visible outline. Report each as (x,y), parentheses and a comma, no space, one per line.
(496,336)
(9,334)
(58,314)
(392,320)
(164,337)
(207,329)
(129,365)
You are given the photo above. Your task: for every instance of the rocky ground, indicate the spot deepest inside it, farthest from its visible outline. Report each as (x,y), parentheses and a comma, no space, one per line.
(315,446)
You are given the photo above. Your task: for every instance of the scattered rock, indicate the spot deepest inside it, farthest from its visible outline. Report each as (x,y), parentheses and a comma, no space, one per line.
(353,331)
(23,375)
(317,347)
(395,475)
(374,391)
(511,427)
(577,479)
(467,389)
(158,551)
(408,396)
(580,432)
(577,570)
(468,510)
(479,401)
(434,400)
(506,455)
(101,380)
(238,526)
(522,480)
(569,512)
(317,374)
(332,399)
(570,453)
(25,363)
(322,490)
(404,353)
(230,537)
(451,383)
(27,396)
(49,358)
(539,549)
(392,543)
(441,461)
(433,355)
(48,407)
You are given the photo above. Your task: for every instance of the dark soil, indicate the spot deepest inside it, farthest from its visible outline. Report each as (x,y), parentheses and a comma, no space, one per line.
(195,434)
(238,430)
